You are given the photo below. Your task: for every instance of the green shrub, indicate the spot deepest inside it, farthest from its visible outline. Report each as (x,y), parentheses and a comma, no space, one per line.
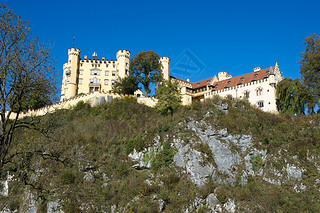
(68,177)
(256,162)
(129,146)
(222,194)
(165,128)
(81,105)
(168,153)
(14,205)
(204,148)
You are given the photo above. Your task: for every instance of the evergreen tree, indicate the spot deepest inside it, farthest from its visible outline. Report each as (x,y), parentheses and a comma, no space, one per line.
(146,67)
(310,67)
(292,96)
(126,86)
(169,97)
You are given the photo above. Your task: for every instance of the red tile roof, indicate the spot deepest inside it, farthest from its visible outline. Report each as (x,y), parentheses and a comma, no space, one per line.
(202,83)
(244,79)
(234,81)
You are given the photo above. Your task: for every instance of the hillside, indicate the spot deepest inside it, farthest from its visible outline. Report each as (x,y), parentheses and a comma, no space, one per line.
(215,156)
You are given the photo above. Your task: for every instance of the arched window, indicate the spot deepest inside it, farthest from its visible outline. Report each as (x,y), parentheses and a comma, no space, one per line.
(259,91)
(246,94)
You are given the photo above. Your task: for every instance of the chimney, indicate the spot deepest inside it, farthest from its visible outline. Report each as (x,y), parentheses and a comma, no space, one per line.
(103,58)
(94,56)
(188,79)
(256,69)
(85,57)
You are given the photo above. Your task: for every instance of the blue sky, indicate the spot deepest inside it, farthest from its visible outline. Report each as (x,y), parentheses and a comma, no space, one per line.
(232,36)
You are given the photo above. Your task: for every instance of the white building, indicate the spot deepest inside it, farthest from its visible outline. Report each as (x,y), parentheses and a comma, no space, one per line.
(259,87)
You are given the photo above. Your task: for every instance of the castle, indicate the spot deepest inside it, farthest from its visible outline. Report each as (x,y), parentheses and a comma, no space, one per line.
(258,87)
(83,76)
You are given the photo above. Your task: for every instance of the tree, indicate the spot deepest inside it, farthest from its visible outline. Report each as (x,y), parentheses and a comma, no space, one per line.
(169,98)
(127,85)
(146,67)
(310,67)
(292,96)
(26,75)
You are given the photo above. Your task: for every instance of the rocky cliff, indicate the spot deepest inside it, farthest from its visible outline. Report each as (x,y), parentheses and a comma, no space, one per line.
(217,156)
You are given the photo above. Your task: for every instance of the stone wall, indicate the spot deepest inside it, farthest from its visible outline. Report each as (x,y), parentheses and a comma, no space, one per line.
(94,98)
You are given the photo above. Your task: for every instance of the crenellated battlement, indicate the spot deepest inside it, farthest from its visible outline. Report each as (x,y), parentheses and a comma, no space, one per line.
(123,53)
(106,61)
(165,59)
(223,75)
(73,51)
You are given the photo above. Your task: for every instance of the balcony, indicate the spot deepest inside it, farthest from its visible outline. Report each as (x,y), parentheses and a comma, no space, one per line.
(94,84)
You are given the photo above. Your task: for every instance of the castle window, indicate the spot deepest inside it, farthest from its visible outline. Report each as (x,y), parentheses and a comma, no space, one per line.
(107,73)
(106,82)
(80,64)
(95,72)
(81,72)
(94,80)
(113,73)
(114,66)
(68,79)
(246,94)
(259,91)
(68,71)
(126,64)
(260,104)
(80,81)
(127,72)
(113,82)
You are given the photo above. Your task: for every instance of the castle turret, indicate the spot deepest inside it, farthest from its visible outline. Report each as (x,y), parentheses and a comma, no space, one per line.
(272,81)
(70,72)
(123,57)
(223,75)
(165,62)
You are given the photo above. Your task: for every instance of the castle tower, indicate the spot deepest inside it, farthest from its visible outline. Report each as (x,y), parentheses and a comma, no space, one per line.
(165,62)
(222,75)
(70,73)
(123,57)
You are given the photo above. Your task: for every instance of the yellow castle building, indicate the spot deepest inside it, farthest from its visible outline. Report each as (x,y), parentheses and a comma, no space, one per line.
(82,76)
(87,75)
